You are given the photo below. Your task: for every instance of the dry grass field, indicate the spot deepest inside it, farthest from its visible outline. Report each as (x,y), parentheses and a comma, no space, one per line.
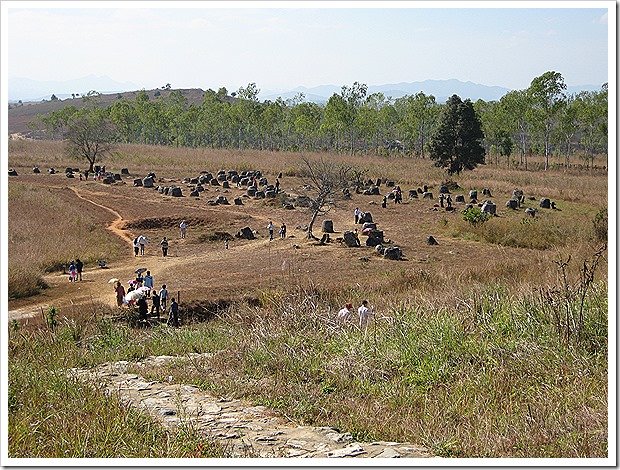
(203,270)
(446,287)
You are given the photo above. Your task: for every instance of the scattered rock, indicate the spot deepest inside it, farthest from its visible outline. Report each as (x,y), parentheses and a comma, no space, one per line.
(246,232)
(512,203)
(431,240)
(488,207)
(350,239)
(393,253)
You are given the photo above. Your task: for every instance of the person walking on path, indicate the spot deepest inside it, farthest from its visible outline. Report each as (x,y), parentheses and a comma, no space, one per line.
(79,266)
(136,246)
(72,272)
(155,304)
(357,213)
(142,240)
(120,293)
(283,231)
(364,314)
(163,297)
(441,198)
(148,282)
(384,203)
(183,227)
(449,201)
(164,246)
(173,317)
(270,228)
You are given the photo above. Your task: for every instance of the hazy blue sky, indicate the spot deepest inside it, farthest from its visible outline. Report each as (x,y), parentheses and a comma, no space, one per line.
(210,44)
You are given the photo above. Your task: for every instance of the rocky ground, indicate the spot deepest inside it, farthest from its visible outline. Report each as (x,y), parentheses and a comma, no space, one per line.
(246,431)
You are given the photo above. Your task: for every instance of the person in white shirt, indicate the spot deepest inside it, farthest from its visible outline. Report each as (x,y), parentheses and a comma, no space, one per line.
(344,314)
(270,228)
(183,227)
(357,213)
(142,240)
(364,313)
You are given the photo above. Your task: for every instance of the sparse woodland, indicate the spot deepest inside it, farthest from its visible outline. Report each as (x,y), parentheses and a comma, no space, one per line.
(568,130)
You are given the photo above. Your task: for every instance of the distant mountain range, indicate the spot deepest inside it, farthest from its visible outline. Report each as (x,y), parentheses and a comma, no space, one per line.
(440,89)
(26,90)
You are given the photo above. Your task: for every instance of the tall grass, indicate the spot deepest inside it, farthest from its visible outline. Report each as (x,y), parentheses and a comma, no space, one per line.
(473,363)
(488,376)
(66,235)
(52,415)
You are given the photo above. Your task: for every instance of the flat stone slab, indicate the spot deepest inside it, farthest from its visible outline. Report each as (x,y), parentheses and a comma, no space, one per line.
(247,430)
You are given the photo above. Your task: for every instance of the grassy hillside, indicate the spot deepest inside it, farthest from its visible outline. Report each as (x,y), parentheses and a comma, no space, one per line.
(493,343)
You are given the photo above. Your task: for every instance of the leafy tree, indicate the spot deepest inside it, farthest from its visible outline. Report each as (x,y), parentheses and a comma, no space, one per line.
(55,122)
(307,122)
(418,114)
(245,113)
(591,109)
(341,113)
(456,144)
(547,97)
(515,105)
(567,127)
(271,124)
(496,126)
(54,98)
(89,135)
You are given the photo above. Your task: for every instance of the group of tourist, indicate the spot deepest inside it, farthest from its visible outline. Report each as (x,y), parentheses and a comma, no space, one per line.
(144,285)
(75,270)
(139,244)
(271,228)
(345,314)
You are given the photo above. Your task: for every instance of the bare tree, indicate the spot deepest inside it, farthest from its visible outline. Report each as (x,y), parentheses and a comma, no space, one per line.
(328,183)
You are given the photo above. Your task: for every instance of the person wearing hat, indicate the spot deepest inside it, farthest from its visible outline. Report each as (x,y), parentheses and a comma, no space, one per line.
(344,314)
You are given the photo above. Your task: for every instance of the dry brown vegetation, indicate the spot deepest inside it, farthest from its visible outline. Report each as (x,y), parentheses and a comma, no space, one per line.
(76,228)
(288,352)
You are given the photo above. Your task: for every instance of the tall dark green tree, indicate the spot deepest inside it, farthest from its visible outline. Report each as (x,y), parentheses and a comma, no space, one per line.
(456,144)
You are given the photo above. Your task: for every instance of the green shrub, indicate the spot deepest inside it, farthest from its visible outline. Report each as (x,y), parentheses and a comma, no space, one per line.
(475,216)
(600,225)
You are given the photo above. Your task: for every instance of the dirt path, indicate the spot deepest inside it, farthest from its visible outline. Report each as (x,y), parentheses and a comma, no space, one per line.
(95,288)
(114,227)
(243,429)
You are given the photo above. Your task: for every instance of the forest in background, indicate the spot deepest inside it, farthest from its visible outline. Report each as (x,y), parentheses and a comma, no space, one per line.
(543,119)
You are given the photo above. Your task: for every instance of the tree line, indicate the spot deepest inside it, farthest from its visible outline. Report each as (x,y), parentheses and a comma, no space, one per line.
(542,119)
